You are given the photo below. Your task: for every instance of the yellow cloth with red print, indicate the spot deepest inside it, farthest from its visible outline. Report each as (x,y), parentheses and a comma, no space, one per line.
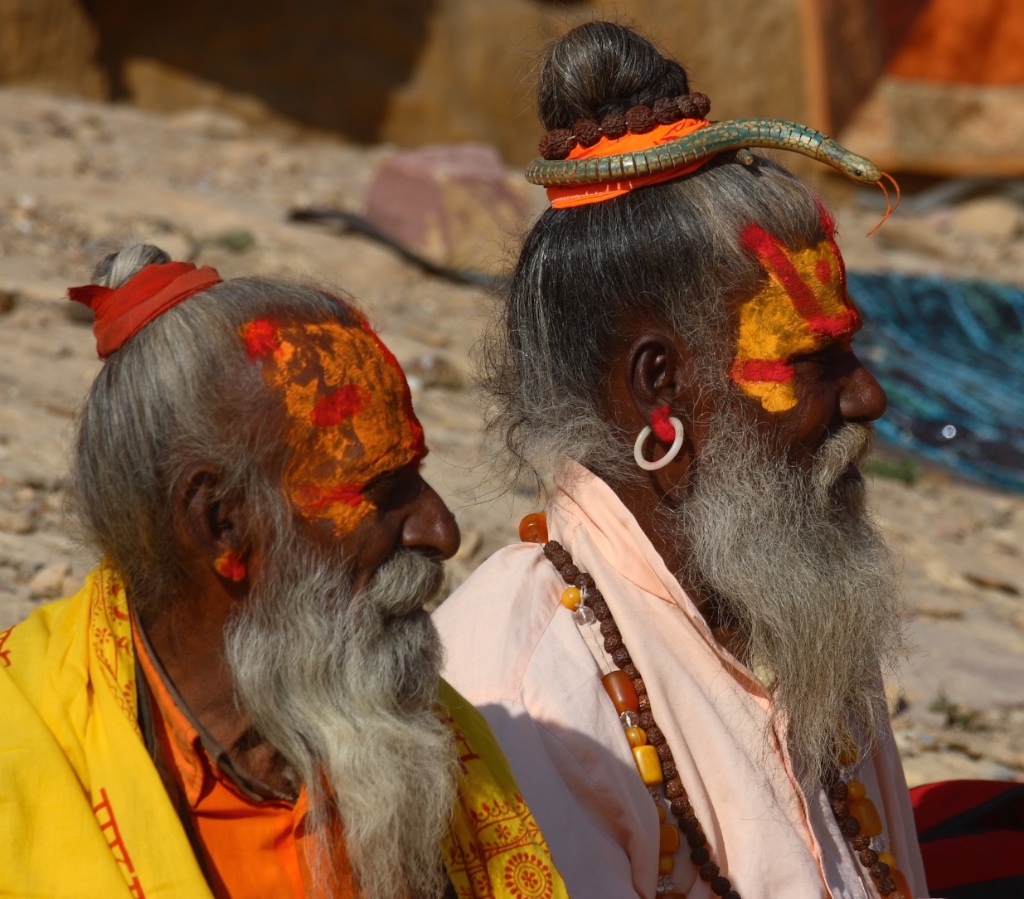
(83,811)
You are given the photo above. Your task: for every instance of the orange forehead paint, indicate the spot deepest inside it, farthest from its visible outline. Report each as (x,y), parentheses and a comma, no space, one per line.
(801,310)
(349,411)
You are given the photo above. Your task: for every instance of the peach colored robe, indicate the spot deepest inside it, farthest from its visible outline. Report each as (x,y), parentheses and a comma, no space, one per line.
(515,652)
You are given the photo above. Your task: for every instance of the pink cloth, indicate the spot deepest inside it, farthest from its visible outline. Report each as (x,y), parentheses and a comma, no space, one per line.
(515,652)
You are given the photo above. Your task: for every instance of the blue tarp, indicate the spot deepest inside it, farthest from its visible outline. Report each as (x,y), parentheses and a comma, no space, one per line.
(950,354)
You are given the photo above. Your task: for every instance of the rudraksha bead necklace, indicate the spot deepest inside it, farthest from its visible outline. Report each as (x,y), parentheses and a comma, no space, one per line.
(856,815)
(560,142)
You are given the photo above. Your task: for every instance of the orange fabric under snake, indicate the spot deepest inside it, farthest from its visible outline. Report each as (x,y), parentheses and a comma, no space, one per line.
(350,412)
(582,194)
(803,307)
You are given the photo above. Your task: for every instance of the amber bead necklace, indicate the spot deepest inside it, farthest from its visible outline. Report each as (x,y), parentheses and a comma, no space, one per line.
(856,815)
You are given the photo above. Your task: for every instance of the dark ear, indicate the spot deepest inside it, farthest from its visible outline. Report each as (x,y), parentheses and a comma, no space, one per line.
(206,525)
(660,374)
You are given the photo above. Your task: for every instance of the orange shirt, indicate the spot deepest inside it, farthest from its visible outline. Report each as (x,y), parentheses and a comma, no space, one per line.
(251,839)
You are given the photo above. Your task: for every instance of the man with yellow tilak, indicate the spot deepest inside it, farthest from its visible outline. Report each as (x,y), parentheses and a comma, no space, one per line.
(683,657)
(244,698)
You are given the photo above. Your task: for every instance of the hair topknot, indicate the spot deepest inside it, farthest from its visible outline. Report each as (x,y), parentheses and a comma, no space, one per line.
(115,269)
(600,68)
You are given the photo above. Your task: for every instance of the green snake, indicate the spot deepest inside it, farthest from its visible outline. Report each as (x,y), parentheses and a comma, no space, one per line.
(739,134)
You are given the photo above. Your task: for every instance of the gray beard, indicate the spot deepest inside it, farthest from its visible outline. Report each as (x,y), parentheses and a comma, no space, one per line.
(792,561)
(342,685)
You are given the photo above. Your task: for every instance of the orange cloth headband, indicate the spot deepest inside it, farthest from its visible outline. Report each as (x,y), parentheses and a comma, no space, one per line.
(124,311)
(582,194)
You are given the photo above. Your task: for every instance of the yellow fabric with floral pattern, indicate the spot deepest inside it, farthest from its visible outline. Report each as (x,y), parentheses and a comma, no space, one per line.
(84,813)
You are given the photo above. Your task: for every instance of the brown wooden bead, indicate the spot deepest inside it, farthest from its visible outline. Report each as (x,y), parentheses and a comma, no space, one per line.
(556,553)
(612,642)
(640,119)
(850,827)
(587,132)
(584,581)
(720,885)
(838,790)
(841,809)
(681,807)
(709,871)
(695,105)
(886,886)
(670,771)
(666,110)
(607,627)
(557,144)
(879,870)
(621,657)
(646,720)
(613,125)
(600,609)
(664,752)
(700,855)
(630,669)
(645,701)
(868,857)
(654,735)
(862,842)
(673,786)
(569,572)
(688,823)
(696,839)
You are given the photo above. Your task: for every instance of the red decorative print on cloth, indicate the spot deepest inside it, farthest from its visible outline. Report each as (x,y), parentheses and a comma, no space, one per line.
(527,877)
(261,338)
(5,654)
(111,643)
(506,844)
(338,405)
(104,812)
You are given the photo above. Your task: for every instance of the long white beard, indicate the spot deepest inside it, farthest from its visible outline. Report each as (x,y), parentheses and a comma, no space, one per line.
(341,685)
(794,562)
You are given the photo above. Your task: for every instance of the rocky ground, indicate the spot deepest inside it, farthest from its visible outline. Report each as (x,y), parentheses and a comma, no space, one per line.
(79,179)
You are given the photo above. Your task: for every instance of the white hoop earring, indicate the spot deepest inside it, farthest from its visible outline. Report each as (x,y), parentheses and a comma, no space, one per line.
(673,451)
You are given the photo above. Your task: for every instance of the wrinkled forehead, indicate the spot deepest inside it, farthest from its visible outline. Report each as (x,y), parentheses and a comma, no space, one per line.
(349,417)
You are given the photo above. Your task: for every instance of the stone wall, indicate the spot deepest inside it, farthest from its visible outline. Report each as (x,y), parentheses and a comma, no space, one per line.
(50,44)
(409,72)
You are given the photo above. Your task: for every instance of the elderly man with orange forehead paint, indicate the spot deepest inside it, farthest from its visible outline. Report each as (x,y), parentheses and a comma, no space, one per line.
(244,698)
(683,658)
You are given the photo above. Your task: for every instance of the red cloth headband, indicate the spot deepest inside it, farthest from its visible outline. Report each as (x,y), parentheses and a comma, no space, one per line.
(124,311)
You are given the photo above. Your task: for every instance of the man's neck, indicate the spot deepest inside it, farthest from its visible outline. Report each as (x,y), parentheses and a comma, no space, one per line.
(187,639)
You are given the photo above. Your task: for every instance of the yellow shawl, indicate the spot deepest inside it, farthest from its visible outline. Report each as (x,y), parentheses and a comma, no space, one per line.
(83,811)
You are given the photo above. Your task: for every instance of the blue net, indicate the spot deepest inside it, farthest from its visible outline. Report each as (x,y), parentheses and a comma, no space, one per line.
(950,354)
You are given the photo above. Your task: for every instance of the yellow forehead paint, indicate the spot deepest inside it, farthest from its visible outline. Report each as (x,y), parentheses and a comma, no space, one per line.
(349,410)
(802,308)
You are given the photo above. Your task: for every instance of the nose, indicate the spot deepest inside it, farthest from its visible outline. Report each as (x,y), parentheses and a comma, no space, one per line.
(862,399)
(430,525)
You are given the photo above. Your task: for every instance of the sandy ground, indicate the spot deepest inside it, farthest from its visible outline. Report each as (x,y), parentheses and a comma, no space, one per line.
(78,179)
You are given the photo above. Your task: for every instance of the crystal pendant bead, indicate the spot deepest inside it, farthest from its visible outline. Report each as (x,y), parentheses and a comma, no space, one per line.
(583,616)
(629,719)
(665,884)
